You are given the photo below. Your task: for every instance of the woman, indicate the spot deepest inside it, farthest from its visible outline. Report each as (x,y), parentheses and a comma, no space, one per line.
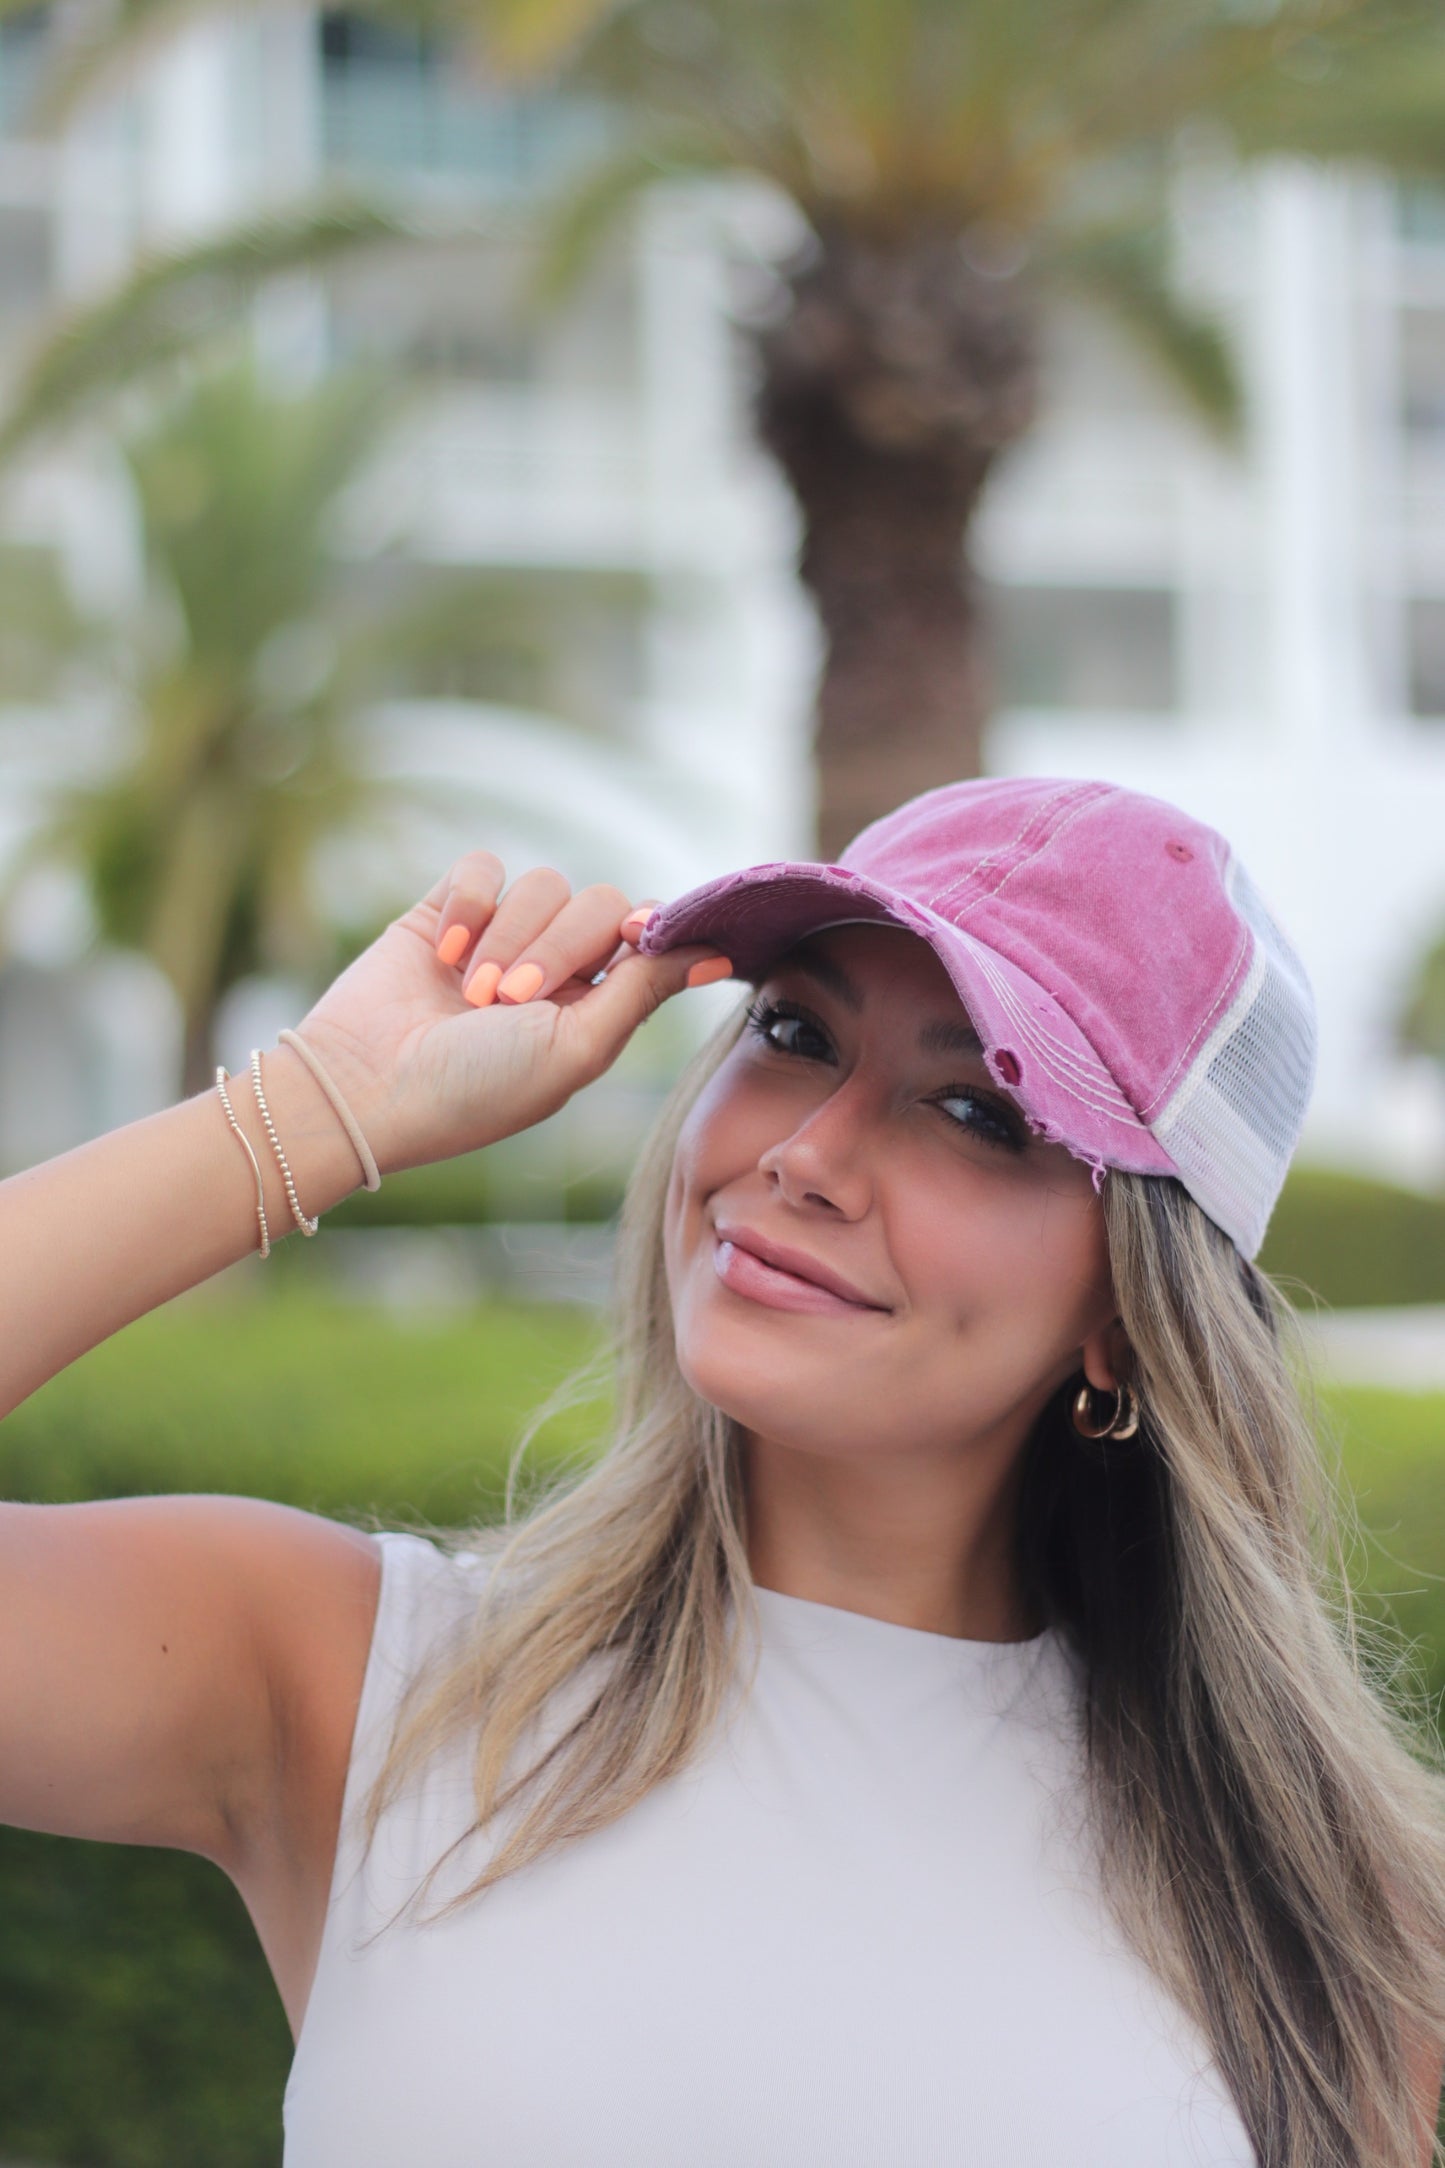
(923,1737)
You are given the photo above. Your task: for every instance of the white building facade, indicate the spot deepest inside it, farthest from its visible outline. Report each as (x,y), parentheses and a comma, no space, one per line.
(1257,632)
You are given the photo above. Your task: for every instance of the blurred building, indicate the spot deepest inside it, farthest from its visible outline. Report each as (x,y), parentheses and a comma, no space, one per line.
(1258,632)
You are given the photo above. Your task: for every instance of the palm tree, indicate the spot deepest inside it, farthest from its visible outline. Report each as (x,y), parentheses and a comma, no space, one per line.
(958,165)
(244,673)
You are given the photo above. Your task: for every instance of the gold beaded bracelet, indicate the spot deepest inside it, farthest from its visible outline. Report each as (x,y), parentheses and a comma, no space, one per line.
(348,1121)
(307,1226)
(255,1163)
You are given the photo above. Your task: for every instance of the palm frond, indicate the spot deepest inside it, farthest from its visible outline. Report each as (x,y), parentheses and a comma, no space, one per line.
(528,37)
(177,302)
(1383,104)
(1123,269)
(572,229)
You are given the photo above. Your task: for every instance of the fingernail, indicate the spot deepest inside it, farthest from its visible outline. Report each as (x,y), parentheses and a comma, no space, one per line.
(638,917)
(482,985)
(453,944)
(521,983)
(709,970)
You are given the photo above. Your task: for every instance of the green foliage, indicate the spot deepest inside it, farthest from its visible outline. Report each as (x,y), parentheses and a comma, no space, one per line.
(465,1192)
(291,1396)
(140,2026)
(246,673)
(1352,1242)
(173,306)
(1422,1021)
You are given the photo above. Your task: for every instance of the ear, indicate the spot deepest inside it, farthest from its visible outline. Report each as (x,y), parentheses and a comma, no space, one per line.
(1108,1359)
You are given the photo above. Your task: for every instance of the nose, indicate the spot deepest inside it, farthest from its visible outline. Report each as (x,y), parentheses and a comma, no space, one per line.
(825,1161)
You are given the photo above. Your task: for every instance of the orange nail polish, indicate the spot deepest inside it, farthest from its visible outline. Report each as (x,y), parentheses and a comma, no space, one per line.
(453,944)
(640,917)
(710,970)
(521,983)
(481,987)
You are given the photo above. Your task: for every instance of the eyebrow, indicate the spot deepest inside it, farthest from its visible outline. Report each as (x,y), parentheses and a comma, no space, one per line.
(941,1036)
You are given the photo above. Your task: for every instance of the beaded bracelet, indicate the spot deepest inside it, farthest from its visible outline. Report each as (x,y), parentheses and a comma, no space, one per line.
(255,1163)
(307,1226)
(348,1121)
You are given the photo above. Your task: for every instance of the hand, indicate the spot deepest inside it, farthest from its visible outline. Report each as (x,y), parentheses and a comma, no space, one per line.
(439,1057)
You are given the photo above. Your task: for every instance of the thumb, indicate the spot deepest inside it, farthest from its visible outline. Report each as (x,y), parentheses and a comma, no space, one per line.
(635,988)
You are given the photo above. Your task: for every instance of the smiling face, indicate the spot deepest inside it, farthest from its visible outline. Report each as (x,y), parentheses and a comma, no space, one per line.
(853,1133)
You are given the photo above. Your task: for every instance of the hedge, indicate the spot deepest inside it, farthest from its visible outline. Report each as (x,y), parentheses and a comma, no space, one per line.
(138,2025)
(1353,1242)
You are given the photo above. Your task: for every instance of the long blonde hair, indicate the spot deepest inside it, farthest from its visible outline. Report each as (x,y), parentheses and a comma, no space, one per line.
(1272,1838)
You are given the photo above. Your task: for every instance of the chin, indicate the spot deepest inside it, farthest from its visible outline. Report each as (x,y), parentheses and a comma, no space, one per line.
(770,1392)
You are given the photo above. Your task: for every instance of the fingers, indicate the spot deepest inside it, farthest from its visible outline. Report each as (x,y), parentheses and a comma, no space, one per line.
(540,941)
(465,898)
(634,922)
(603,1019)
(528,907)
(575,944)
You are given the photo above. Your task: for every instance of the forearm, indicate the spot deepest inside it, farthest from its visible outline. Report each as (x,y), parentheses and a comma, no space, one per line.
(116,1227)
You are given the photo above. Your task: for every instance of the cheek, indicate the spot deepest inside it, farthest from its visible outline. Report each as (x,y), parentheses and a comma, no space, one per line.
(712,1149)
(1017,1257)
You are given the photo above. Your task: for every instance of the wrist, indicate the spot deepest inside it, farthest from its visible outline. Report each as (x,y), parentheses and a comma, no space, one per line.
(322,1159)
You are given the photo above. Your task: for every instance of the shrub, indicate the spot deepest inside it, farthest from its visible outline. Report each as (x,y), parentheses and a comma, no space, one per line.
(1350,1241)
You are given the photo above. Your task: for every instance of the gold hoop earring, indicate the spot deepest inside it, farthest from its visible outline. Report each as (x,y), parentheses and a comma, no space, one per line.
(1122,1423)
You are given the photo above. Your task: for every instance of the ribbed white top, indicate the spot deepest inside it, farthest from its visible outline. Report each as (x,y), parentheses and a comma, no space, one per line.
(863,1930)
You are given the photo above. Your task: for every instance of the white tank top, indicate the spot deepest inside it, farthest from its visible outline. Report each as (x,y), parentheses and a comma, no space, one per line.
(861,1929)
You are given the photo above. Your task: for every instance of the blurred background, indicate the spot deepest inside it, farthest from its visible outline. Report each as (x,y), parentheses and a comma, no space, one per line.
(648,439)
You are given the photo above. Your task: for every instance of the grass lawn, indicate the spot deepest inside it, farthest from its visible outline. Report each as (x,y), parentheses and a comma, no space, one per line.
(138,2025)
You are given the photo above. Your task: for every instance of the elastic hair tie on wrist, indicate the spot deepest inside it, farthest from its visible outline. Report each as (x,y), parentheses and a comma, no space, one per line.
(348,1119)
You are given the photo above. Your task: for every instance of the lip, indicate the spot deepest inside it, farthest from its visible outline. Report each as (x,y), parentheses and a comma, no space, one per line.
(790,1279)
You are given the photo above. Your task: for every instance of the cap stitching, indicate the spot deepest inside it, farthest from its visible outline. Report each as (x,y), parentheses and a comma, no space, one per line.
(975,873)
(1226,993)
(1051,1051)
(1048,842)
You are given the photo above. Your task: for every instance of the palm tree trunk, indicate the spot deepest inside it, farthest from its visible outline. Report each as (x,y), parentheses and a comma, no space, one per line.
(887,392)
(198,1063)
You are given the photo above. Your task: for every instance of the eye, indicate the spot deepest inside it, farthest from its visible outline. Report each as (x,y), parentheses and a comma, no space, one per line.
(790,1029)
(982,1116)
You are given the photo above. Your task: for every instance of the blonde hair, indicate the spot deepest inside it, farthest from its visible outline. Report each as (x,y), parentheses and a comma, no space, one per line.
(1271,1839)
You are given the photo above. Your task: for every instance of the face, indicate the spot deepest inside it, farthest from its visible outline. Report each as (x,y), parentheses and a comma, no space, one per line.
(854,1137)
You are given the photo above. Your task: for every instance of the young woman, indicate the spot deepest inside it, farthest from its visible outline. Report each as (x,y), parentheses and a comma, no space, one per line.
(926,1735)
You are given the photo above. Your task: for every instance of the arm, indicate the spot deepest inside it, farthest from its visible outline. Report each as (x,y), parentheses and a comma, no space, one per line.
(99,1236)
(171,1669)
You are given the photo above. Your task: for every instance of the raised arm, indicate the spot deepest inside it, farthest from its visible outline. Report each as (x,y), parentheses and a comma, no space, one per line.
(184,1671)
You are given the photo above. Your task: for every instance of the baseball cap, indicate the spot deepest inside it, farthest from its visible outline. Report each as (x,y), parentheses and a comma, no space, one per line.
(1134,996)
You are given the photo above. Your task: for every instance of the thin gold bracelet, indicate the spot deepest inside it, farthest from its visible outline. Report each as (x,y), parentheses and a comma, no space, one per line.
(307,1226)
(255,1163)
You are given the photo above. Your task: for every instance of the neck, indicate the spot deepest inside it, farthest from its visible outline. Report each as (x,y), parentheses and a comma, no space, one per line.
(918,1541)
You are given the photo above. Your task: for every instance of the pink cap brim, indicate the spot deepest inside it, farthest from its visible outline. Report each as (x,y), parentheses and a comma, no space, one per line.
(1032,1047)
